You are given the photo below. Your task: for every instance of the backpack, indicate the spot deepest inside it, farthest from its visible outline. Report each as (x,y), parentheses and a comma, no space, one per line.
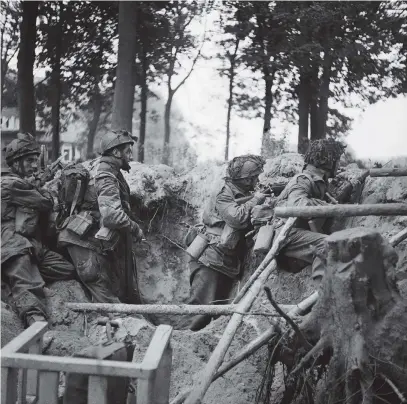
(74,183)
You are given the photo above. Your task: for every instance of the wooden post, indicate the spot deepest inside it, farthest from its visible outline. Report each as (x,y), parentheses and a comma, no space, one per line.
(399,237)
(97,390)
(9,380)
(388,172)
(156,389)
(32,374)
(48,387)
(379,209)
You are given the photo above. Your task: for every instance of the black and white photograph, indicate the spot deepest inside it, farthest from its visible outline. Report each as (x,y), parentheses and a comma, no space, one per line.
(203,202)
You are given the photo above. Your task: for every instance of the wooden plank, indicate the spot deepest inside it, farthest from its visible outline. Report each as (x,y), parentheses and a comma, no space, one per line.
(145,391)
(388,172)
(32,374)
(48,387)
(76,365)
(97,391)
(163,378)
(157,347)
(378,209)
(9,380)
(22,396)
(398,238)
(24,340)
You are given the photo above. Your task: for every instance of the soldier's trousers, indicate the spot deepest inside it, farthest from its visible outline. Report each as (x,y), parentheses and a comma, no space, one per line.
(26,275)
(207,286)
(301,248)
(96,273)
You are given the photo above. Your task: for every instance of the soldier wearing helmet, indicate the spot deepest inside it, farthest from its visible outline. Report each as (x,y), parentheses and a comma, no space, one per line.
(103,256)
(25,261)
(226,219)
(305,243)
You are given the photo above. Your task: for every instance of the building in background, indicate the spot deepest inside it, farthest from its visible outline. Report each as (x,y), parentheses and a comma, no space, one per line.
(10,126)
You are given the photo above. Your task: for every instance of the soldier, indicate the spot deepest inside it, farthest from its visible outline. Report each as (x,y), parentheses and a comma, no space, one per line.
(225,222)
(26,262)
(305,243)
(99,235)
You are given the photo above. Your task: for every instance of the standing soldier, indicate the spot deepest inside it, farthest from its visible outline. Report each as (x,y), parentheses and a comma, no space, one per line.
(98,231)
(225,223)
(26,263)
(305,243)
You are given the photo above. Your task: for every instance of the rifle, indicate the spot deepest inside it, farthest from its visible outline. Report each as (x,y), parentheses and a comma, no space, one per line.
(275,189)
(47,174)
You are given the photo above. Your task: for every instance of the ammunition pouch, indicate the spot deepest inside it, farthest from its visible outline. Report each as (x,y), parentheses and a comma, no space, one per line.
(26,221)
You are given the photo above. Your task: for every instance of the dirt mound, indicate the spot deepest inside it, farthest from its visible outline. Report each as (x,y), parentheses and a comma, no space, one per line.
(167,203)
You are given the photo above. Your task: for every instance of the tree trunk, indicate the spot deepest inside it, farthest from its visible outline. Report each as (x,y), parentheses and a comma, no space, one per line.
(93,125)
(122,112)
(26,59)
(303,112)
(167,129)
(314,104)
(232,75)
(324,95)
(143,112)
(268,98)
(56,86)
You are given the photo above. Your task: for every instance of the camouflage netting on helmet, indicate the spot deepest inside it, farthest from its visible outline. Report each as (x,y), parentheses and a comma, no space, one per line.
(323,152)
(245,166)
(24,145)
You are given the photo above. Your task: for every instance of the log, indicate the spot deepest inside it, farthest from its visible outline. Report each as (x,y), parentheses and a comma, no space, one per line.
(399,237)
(248,350)
(379,209)
(388,172)
(205,379)
(277,244)
(174,309)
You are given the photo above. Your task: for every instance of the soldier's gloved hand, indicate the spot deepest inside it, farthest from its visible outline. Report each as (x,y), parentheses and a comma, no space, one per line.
(259,197)
(136,231)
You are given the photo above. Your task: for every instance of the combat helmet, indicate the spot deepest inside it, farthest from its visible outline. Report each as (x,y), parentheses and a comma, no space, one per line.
(245,166)
(24,145)
(324,152)
(116,138)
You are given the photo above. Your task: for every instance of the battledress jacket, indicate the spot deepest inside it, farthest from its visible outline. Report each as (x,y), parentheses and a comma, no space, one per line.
(226,223)
(304,189)
(107,200)
(18,192)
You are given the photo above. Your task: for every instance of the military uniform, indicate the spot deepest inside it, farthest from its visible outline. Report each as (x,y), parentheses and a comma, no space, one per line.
(303,246)
(226,222)
(102,265)
(26,263)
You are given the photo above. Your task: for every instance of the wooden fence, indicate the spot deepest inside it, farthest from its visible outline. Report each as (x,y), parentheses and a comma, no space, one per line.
(21,360)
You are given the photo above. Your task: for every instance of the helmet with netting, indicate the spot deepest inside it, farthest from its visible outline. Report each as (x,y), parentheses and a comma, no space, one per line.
(24,145)
(245,166)
(116,138)
(324,152)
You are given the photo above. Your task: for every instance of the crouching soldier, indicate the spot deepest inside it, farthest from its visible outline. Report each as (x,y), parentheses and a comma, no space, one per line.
(305,242)
(226,220)
(26,263)
(97,223)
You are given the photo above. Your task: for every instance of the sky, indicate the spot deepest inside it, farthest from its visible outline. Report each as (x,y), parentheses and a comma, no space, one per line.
(378,132)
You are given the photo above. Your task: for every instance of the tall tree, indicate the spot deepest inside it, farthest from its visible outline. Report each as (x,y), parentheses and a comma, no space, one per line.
(122,113)
(26,59)
(179,43)
(9,37)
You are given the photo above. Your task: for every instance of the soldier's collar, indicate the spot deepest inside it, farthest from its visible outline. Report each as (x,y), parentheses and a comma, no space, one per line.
(317,174)
(237,192)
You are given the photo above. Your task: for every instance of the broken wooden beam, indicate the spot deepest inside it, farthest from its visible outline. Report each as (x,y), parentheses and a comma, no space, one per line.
(399,237)
(388,172)
(173,309)
(205,378)
(275,249)
(248,350)
(379,209)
